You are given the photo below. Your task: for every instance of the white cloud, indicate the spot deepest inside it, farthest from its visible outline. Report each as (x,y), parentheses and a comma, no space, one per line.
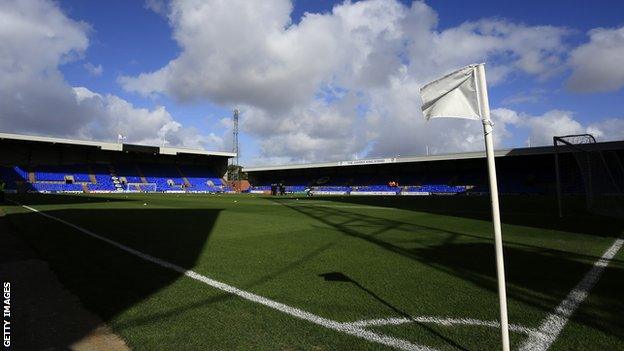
(36,37)
(608,129)
(158,6)
(338,83)
(112,115)
(597,65)
(525,97)
(93,70)
(556,122)
(541,129)
(319,132)
(536,50)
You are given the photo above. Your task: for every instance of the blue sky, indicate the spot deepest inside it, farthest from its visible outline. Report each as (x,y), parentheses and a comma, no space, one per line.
(129,38)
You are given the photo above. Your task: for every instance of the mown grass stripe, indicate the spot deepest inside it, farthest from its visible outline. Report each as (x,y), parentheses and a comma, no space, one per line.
(292,311)
(542,338)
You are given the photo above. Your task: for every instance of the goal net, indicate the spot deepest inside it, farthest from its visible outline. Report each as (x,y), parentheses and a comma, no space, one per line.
(588,178)
(141,187)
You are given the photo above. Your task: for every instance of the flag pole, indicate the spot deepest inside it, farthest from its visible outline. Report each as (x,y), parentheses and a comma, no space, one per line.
(498,237)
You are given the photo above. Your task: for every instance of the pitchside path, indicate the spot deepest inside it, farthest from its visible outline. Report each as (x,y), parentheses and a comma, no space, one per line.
(538,339)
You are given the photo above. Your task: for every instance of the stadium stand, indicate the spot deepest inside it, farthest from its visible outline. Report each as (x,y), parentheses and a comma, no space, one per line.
(29,163)
(12,176)
(295,188)
(43,164)
(527,171)
(376,188)
(108,178)
(57,187)
(371,189)
(103,179)
(201,179)
(165,176)
(127,172)
(333,188)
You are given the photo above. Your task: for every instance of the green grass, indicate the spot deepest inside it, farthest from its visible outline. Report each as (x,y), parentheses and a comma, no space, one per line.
(396,257)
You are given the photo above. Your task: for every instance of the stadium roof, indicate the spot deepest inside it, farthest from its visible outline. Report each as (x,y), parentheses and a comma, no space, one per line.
(110,146)
(403,159)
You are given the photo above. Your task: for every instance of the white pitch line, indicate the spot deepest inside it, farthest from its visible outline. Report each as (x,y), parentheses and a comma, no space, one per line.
(292,311)
(445,321)
(549,330)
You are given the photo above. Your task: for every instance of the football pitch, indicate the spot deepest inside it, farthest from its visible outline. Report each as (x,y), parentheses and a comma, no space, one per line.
(245,272)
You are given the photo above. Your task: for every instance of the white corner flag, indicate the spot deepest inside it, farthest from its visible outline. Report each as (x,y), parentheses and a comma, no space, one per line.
(463,94)
(454,95)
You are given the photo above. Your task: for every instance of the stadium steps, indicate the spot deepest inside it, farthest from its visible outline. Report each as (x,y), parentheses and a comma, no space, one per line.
(114,179)
(184,179)
(140,173)
(92,178)
(85,187)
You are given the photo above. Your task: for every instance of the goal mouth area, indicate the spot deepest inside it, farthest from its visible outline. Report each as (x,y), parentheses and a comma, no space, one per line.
(582,170)
(141,187)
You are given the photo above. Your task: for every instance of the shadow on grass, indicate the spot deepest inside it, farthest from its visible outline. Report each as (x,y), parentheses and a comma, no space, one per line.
(528,211)
(535,276)
(107,280)
(341,277)
(223,296)
(62,199)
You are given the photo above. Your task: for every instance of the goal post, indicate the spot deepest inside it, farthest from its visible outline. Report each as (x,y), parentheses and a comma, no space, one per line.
(141,187)
(585,173)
